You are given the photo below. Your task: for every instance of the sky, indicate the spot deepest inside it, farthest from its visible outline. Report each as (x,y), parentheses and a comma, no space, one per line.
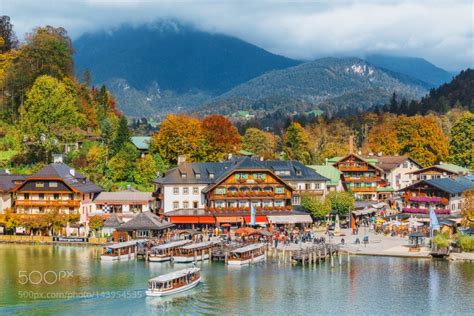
(439,31)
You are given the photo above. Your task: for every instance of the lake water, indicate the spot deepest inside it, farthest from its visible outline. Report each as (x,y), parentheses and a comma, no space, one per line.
(365,285)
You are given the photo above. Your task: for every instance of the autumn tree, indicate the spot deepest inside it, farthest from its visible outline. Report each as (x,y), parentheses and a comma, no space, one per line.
(461,150)
(296,143)
(467,208)
(48,51)
(145,170)
(383,137)
(422,138)
(49,117)
(260,143)
(179,135)
(329,139)
(122,166)
(317,206)
(221,137)
(96,223)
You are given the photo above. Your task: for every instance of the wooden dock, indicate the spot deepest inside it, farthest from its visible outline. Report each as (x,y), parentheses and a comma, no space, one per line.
(315,254)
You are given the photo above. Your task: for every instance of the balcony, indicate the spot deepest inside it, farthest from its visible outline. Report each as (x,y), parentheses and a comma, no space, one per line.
(48,203)
(363,189)
(362,179)
(353,168)
(425,211)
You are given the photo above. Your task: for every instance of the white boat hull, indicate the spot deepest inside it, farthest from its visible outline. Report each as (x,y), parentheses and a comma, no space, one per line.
(173,291)
(158,259)
(183,259)
(234,262)
(118,258)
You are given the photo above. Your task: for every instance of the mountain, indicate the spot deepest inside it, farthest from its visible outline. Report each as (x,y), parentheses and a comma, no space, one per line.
(417,68)
(332,84)
(172,60)
(460,91)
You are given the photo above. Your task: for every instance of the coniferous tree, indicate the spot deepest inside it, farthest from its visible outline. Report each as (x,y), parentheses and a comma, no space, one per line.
(393,103)
(403,107)
(122,136)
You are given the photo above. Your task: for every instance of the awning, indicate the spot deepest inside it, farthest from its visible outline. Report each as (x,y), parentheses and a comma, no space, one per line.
(365,211)
(192,219)
(258,219)
(290,219)
(229,219)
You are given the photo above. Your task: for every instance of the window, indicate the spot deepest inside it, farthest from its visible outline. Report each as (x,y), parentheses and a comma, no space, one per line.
(143,233)
(175,204)
(406,164)
(41,196)
(185,204)
(53,184)
(41,210)
(195,190)
(71,196)
(220,190)
(195,204)
(26,196)
(56,196)
(175,190)
(317,186)
(298,172)
(185,190)
(296,200)
(40,184)
(279,190)
(211,175)
(198,176)
(183,176)
(307,186)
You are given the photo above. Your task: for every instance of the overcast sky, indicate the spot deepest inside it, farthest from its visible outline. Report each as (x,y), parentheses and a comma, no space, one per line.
(440,31)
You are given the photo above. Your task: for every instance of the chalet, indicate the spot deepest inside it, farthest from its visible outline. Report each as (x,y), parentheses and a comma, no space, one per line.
(125,204)
(360,176)
(442,170)
(7,183)
(397,170)
(332,173)
(444,195)
(56,187)
(210,193)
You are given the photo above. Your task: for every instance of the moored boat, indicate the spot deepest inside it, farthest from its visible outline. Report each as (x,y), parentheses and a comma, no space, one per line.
(193,252)
(246,255)
(174,282)
(165,252)
(120,251)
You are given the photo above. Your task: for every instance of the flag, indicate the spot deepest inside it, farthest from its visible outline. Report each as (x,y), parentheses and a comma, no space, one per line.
(252,215)
(434,224)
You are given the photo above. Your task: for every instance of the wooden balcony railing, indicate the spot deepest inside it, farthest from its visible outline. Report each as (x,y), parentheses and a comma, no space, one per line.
(363,189)
(49,203)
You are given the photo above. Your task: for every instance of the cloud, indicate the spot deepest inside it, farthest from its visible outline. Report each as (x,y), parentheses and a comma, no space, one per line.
(440,31)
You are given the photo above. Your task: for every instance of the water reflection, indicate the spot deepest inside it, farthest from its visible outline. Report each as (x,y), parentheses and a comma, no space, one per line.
(375,285)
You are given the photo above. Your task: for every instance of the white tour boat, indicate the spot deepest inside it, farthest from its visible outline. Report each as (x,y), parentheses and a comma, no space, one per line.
(246,255)
(174,282)
(120,251)
(193,252)
(165,252)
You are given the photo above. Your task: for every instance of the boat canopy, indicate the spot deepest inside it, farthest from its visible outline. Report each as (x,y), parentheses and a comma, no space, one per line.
(125,244)
(174,275)
(172,244)
(205,244)
(248,248)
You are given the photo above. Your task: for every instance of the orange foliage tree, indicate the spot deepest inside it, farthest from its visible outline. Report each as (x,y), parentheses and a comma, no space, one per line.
(221,137)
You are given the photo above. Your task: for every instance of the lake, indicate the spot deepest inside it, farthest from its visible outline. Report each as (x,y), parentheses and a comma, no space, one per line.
(70,280)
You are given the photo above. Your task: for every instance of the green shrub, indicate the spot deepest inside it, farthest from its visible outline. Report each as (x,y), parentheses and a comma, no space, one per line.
(441,241)
(466,243)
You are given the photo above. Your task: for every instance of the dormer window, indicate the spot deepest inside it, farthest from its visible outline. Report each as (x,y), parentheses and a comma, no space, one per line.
(211,175)
(40,184)
(298,172)
(198,176)
(183,176)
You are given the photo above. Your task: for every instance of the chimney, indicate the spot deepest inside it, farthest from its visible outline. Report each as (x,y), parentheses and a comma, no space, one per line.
(58,158)
(351,144)
(181,159)
(72,172)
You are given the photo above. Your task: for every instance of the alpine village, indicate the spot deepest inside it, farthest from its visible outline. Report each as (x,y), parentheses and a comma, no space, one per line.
(237,185)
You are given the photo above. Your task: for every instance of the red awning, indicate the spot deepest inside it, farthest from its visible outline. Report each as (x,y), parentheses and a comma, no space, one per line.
(258,219)
(229,219)
(192,219)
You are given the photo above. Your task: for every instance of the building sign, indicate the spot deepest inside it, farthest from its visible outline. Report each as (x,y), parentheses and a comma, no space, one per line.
(71,239)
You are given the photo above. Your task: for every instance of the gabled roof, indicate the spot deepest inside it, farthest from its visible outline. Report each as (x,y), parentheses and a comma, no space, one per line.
(9,181)
(145,221)
(447,167)
(388,163)
(448,185)
(330,172)
(371,162)
(72,178)
(141,142)
(113,221)
(220,170)
(124,196)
